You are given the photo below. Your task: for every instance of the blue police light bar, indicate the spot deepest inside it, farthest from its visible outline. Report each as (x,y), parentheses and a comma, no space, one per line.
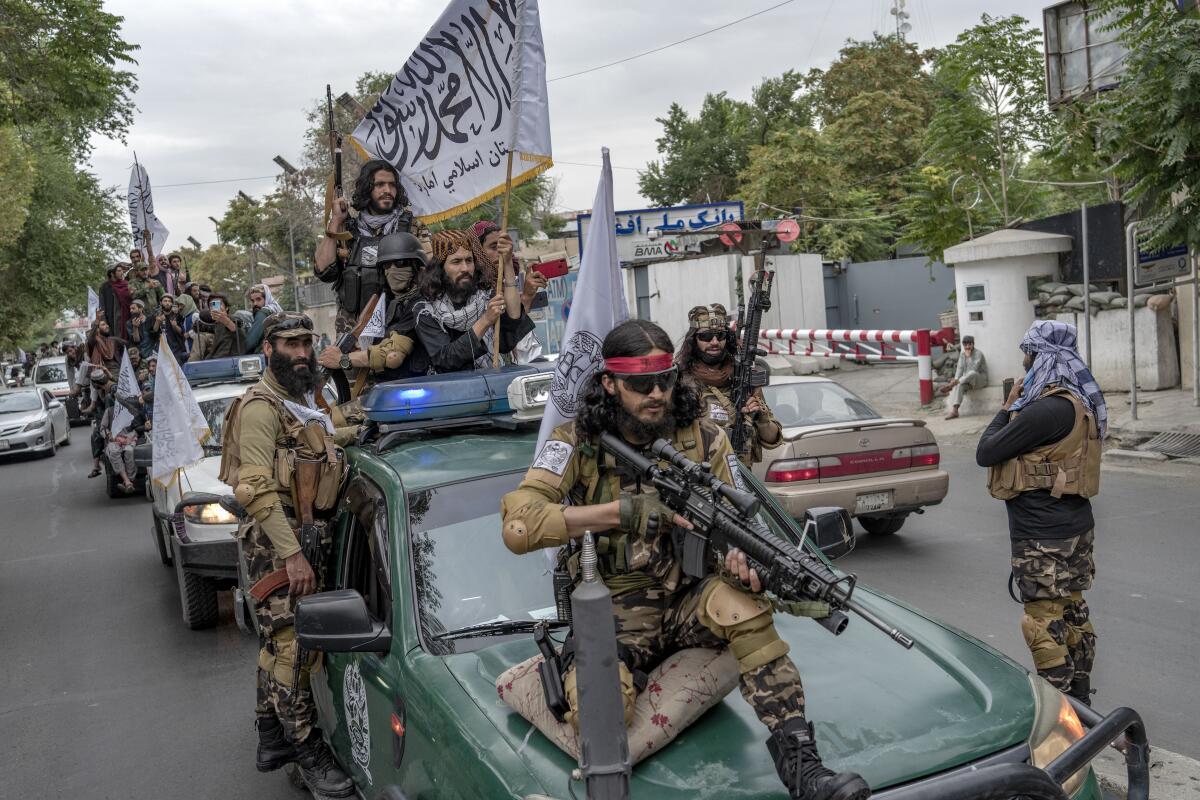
(453,395)
(233,368)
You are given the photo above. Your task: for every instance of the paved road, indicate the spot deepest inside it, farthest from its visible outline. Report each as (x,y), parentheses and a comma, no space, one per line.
(103,692)
(952,563)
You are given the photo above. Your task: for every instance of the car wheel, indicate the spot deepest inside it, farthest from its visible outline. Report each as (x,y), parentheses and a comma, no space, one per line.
(883,526)
(198,597)
(53,448)
(112,483)
(163,553)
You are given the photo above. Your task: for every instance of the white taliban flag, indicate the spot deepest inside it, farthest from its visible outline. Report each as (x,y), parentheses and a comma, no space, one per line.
(597,308)
(127,390)
(179,426)
(472,92)
(141,213)
(376,326)
(93,305)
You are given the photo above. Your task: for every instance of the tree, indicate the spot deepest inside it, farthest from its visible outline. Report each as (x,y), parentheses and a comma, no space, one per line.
(883,64)
(1151,129)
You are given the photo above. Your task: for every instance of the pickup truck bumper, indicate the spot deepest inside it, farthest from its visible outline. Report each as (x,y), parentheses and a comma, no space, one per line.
(1002,777)
(214,559)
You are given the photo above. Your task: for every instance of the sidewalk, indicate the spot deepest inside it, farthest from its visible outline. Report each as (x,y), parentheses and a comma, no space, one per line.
(893,390)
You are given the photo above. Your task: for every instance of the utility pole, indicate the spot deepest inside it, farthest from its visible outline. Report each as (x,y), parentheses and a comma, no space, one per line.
(902,25)
(291,174)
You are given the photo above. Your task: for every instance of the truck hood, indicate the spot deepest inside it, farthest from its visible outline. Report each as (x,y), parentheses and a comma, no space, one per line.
(202,477)
(890,714)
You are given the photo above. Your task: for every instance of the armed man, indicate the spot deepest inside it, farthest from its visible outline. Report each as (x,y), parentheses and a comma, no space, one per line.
(1042,451)
(348,255)
(660,609)
(281,456)
(707,356)
(398,353)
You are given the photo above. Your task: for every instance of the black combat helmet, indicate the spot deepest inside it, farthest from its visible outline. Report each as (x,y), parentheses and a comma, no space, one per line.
(400,246)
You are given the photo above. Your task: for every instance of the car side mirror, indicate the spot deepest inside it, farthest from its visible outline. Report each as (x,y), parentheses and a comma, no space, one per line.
(54,404)
(339,622)
(831,530)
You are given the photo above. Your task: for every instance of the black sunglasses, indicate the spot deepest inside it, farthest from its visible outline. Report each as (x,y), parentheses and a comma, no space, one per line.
(708,336)
(292,324)
(644,383)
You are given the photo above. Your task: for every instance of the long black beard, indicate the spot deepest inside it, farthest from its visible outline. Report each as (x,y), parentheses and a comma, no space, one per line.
(458,295)
(634,430)
(293,382)
(712,359)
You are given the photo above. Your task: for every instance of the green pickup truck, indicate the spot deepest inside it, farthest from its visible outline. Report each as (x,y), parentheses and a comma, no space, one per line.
(410,704)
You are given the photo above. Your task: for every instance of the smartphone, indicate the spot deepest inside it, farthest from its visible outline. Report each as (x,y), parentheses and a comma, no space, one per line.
(214,305)
(552,269)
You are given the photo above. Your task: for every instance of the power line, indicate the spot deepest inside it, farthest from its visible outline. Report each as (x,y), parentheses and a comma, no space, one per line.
(221,180)
(672,44)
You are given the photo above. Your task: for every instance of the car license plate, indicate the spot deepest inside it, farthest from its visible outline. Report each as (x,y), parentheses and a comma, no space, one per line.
(875,501)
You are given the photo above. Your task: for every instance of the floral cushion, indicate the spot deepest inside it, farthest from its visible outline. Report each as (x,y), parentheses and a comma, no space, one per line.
(678,692)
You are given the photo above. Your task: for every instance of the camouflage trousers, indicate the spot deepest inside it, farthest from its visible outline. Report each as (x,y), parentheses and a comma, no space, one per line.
(1051,576)
(653,624)
(281,692)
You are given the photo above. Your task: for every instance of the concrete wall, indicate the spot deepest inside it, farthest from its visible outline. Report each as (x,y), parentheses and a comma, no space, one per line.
(897,294)
(675,287)
(1007,311)
(1157,354)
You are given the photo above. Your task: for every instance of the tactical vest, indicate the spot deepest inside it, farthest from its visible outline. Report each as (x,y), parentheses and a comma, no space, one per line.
(620,558)
(294,443)
(719,396)
(1069,466)
(362,277)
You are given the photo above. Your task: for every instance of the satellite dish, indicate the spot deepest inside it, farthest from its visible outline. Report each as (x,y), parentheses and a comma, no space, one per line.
(733,238)
(788,230)
(905,28)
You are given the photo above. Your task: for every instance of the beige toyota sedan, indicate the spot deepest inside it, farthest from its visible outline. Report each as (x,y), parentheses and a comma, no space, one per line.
(838,451)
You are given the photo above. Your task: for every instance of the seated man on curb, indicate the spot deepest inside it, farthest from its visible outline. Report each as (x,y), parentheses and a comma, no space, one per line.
(971,373)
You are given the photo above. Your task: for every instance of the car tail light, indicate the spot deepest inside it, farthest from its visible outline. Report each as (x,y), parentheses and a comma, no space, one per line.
(926,456)
(804,469)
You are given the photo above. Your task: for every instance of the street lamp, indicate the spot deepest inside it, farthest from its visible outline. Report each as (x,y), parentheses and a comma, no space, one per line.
(192,241)
(217,225)
(290,172)
(247,198)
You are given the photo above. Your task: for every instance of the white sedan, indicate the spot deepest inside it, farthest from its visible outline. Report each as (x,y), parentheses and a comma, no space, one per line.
(32,421)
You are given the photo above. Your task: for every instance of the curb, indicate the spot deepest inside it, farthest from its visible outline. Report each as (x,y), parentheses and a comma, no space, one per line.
(1172,776)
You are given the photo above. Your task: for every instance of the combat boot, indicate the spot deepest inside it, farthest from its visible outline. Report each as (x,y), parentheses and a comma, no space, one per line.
(321,773)
(1081,689)
(274,750)
(799,766)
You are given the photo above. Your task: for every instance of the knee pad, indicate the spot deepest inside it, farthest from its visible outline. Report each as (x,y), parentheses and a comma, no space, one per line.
(745,622)
(1036,628)
(571,689)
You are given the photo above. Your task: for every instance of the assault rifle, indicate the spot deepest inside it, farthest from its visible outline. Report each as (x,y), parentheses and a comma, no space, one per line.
(724,518)
(746,376)
(335,144)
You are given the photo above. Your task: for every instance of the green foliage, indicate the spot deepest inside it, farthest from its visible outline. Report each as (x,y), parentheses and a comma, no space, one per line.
(1151,130)
(883,64)
(223,267)
(71,228)
(59,71)
(17,175)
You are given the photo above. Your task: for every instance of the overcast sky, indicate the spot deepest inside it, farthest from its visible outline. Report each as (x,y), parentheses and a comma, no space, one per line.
(223,84)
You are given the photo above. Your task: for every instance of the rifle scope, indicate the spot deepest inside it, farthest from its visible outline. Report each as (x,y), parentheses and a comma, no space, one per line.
(744,502)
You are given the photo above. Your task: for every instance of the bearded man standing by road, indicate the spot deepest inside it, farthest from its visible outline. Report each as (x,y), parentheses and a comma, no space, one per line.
(1042,451)
(272,435)
(707,357)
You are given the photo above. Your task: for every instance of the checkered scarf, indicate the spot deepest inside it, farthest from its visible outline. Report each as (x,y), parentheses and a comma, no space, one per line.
(1056,362)
(446,242)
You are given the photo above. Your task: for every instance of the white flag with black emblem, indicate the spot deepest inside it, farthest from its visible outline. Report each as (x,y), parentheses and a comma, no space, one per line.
(376,326)
(179,425)
(142,219)
(598,306)
(93,305)
(127,391)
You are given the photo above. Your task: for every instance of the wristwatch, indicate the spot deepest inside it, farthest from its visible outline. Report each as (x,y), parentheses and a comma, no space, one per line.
(345,361)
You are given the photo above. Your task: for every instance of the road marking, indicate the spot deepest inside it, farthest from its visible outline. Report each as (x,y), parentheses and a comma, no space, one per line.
(47,555)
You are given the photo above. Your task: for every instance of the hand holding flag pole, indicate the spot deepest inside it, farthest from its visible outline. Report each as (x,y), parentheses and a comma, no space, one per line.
(505,262)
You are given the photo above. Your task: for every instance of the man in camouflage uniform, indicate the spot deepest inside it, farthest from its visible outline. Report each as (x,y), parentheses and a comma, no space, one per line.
(659,610)
(1042,451)
(707,356)
(271,434)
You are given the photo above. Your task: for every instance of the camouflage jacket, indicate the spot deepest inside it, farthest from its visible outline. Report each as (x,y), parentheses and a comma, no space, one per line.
(764,431)
(568,469)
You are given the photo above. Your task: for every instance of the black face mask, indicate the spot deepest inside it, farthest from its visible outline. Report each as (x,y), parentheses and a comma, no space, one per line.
(295,383)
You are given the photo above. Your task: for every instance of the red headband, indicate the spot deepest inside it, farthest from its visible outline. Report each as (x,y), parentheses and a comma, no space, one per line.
(639,365)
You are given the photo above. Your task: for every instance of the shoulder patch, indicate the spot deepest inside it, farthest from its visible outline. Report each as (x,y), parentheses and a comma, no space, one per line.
(717,412)
(554,456)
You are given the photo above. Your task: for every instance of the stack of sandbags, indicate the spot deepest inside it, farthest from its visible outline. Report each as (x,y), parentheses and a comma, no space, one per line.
(1054,298)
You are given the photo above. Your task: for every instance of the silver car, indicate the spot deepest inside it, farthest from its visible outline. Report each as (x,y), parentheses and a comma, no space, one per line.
(32,421)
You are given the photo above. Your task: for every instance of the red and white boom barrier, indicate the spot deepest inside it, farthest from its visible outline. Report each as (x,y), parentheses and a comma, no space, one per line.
(850,345)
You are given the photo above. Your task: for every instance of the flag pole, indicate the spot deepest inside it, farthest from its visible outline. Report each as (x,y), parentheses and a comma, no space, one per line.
(146,237)
(505,260)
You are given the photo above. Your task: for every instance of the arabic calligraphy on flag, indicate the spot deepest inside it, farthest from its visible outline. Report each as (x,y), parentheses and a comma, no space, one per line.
(474,89)
(179,425)
(141,213)
(127,395)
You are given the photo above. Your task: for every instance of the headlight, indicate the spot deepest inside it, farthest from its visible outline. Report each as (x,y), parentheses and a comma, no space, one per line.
(208,514)
(1056,727)
(35,425)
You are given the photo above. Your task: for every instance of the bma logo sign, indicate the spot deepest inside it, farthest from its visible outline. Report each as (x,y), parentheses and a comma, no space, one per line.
(649,250)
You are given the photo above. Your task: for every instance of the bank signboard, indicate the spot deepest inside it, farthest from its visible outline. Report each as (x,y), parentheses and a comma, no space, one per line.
(636,228)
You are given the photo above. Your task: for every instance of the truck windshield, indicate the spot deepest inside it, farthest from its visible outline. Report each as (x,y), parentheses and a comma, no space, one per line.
(464,573)
(50,373)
